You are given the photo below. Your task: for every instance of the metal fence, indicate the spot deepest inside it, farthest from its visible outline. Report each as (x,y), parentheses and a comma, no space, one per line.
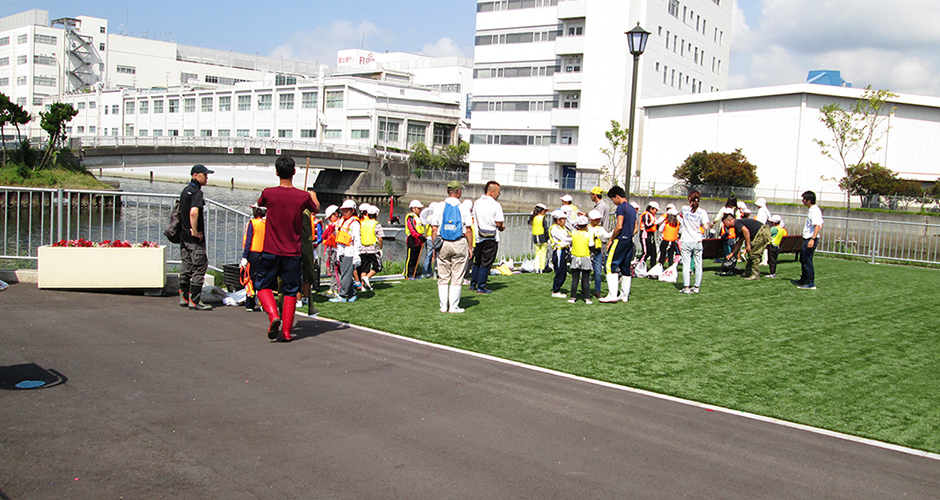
(35,217)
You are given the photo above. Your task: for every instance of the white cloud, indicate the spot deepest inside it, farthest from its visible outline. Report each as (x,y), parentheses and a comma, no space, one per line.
(445,47)
(321,44)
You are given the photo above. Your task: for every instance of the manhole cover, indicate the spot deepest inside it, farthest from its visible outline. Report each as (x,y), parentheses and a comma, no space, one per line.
(28,377)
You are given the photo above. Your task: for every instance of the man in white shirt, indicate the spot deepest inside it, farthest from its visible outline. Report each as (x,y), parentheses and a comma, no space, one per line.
(814,222)
(348,243)
(694,223)
(488,215)
(453,223)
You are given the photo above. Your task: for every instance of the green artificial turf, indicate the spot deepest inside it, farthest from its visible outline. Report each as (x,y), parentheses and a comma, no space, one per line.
(858,355)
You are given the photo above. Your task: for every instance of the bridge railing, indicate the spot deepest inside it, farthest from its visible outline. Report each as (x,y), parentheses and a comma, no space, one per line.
(238,144)
(34,217)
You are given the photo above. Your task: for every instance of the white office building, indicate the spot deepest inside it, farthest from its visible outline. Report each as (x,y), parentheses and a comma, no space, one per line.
(330,109)
(550,75)
(775,128)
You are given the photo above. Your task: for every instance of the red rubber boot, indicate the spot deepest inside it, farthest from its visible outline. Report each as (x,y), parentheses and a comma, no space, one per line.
(266,297)
(290,305)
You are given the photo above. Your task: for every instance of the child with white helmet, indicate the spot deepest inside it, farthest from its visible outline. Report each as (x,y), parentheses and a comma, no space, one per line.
(581,244)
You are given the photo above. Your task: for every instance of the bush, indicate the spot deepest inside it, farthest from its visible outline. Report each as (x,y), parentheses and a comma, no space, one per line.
(717,169)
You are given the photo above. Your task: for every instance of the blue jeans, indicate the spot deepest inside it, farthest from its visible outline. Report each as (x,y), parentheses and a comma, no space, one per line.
(597,262)
(428,272)
(808,272)
(560,258)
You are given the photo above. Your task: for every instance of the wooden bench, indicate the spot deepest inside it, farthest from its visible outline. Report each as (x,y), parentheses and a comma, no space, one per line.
(711,247)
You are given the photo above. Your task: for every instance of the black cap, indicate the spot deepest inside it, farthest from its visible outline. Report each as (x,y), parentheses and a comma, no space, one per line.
(200,169)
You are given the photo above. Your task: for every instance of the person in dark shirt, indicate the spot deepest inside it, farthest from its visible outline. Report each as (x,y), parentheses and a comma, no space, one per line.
(620,248)
(754,236)
(282,239)
(193,258)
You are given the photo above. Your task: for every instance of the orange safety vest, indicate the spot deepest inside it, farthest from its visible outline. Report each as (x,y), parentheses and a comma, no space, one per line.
(670,232)
(257,235)
(342,232)
(650,226)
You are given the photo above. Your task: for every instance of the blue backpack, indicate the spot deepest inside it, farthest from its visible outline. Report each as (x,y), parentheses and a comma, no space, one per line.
(451,223)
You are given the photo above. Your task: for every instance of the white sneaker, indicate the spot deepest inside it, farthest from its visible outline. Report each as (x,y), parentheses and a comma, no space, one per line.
(588,301)
(559,295)
(571,301)
(686,290)
(457,311)
(694,289)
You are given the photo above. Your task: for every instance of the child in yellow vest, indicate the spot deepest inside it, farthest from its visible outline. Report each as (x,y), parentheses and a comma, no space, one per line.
(540,227)
(777,232)
(581,265)
(561,251)
(372,236)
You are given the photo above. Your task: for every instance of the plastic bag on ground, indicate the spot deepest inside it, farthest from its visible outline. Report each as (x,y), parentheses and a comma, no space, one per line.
(235,298)
(655,271)
(639,270)
(670,274)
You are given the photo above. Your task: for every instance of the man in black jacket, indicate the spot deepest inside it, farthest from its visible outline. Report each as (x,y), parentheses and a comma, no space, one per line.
(193,240)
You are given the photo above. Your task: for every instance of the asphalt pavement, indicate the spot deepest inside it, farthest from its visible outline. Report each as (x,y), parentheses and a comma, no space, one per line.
(144,399)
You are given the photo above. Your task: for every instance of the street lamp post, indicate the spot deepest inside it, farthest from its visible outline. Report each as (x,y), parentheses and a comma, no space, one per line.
(636,39)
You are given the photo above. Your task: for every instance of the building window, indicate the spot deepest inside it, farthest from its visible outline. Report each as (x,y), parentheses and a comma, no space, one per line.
(286,101)
(101,47)
(521,173)
(571,101)
(92,105)
(573,64)
(285,80)
(21,80)
(80,105)
(244,103)
(114,131)
(242,133)
(44,81)
(391,128)
(332,134)
(105,110)
(359,134)
(264,132)
(129,130)
(225,103)
(207,104)
(5,81)
(205,133)
(189,78)
(144,105)
(157,107)
(127,70)
(489,170)
(101,30)
(189,133)
(334,99)
(4,41)
(21,39)
(91,129)
(44,60)
(189,104)
(157,133)
(225,133)
(142,132)
(173,105)
(264,102)
(20,59)
(416,133)
(442,134)
(308,100)
(4,61)
(81,129)
(285,134)
(308,133)
(173,133)
(115,109)
(21,101)
(129,107)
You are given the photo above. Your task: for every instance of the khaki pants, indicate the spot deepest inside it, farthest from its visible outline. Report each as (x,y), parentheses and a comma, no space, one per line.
(452,262)
(758,243)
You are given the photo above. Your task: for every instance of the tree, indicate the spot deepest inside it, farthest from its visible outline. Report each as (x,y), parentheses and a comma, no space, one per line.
(717,169)
(54,122)
(856,132)
(868,181)
(19,117)
(451,158)
(616,154)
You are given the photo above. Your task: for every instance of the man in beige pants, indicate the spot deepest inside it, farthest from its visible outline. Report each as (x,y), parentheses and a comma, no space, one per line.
(451,229)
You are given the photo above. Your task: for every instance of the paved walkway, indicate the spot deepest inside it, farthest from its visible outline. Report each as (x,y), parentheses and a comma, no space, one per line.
(161,402)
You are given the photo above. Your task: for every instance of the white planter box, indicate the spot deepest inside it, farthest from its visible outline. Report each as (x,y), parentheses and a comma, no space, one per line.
(70,267)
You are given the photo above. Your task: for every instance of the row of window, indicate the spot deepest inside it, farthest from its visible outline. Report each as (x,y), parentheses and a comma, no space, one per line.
(516,72)
(207,104)
(513,105)
(512,140)
(520,172)
(40,38)
(513,5)
(453,88)
(39,81)
(525,37)
(416,133)
(691,84)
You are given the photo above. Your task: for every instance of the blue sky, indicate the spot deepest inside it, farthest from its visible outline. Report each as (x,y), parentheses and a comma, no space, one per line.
(773,41)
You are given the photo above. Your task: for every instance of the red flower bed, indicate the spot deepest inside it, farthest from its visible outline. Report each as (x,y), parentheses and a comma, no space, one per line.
(82,242)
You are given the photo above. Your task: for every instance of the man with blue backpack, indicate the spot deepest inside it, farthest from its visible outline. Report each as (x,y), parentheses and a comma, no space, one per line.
(452,235)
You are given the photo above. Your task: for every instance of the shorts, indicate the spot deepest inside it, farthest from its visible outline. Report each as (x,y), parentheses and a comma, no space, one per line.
(370,262)
(272,267)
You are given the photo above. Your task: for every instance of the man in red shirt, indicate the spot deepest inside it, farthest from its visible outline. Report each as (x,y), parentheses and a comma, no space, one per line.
(281,256)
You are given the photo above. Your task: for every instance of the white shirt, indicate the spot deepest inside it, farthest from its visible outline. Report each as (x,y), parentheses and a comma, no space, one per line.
(763,214)
(486,213)
(813,218)
(353,228)
(691,224)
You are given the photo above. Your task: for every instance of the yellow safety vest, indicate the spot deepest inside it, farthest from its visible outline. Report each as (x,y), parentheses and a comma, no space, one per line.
(580,244)
(781,232)
(537,228)
(367,231)
(419,227)
(257,235)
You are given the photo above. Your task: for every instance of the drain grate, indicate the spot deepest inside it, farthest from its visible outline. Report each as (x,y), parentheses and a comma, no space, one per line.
(29,376)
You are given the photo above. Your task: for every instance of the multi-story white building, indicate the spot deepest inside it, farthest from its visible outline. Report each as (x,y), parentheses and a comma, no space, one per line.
(550,75)
(39,58)
(330,109)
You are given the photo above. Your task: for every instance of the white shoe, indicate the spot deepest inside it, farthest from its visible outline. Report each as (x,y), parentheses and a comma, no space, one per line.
(694,289)
(559,295)
(588,301)
(686,290)
(571,301)
(366,284)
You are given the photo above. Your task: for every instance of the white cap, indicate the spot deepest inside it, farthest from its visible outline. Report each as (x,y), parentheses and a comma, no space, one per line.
(670,205)
(542,206)
(654,205)
(672,211)
(363,207)
(761,202)
(330,210)
(348,204)
(582,221)
(415,203)
(776,218)
(635,205)
(742,205)
(560,214)
(374,210)
(594,214)
(567,197)
(745,210)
